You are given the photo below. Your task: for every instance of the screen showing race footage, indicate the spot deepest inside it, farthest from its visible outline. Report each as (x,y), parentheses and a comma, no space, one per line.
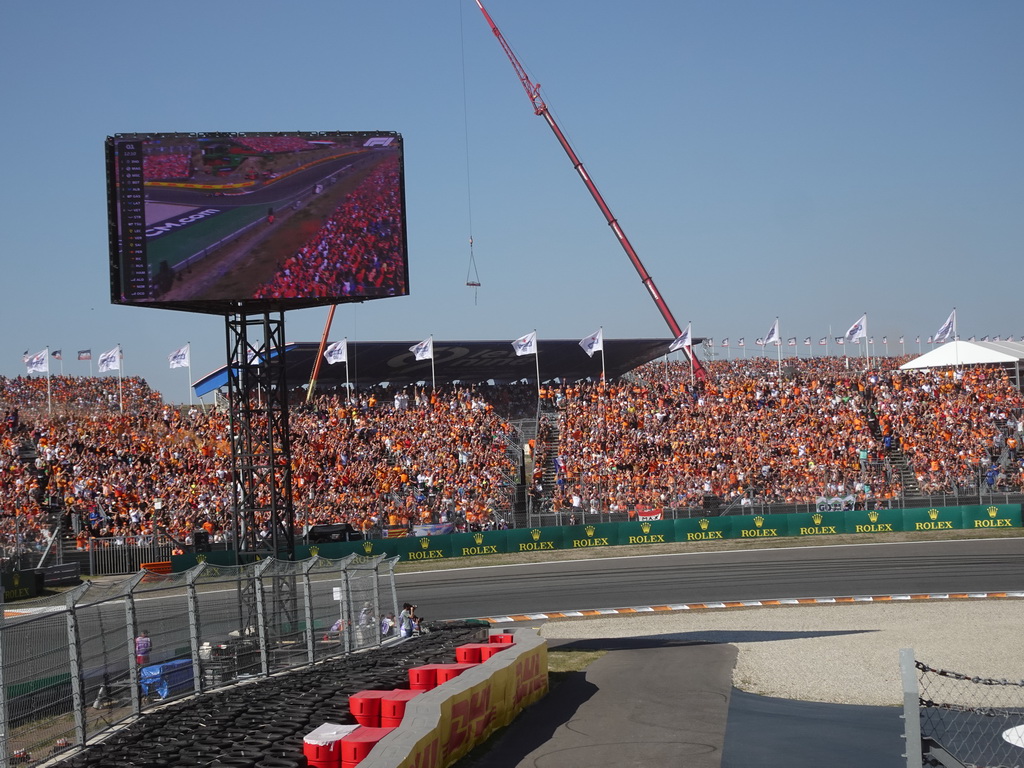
(224,222)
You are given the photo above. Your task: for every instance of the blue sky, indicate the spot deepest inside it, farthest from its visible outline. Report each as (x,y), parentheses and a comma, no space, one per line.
(811,160)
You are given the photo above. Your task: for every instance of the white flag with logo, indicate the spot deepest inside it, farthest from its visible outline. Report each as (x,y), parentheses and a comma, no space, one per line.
(337,352)
(725,342)
(179,358)
(773,334)
(424,350)
(110,360)
(683,340)
(593,343)
(526,345)
(38,363)
(858,330)
(948,330)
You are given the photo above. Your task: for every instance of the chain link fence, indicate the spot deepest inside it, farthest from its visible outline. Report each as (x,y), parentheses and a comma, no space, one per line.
(957,721)
(75,665)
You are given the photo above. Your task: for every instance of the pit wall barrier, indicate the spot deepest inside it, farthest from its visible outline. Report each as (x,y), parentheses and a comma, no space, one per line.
(635,533)
(443,724)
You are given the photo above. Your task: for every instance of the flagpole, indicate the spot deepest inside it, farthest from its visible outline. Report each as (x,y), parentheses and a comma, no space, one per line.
(601,331)
(348,384)
(867,354)
(120,391)
(49,398)
(433,379)
(536,360)
(188,344)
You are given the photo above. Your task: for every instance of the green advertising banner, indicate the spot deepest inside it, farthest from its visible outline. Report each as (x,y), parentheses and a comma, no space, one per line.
(874,520)
(591,535)
(534,539)
(647,532)
(816,523)
(421,548)
(759,527)
(934,519)
(479,544)
(992,516)
(703,529)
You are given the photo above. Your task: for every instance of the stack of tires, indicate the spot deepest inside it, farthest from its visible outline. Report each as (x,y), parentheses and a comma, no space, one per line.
(262,724)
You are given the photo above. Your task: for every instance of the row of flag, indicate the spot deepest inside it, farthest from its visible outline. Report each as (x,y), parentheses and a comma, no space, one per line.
(337,352)
(841,340)
(108,361)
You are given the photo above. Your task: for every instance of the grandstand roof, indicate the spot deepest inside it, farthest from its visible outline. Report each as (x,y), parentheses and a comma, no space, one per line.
(471,362)
(957,353)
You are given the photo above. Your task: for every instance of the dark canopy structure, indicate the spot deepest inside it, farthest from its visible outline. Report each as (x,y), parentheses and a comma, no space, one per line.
(468,362)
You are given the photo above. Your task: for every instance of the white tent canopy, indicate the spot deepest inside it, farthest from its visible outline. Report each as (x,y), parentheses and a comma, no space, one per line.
(957,353)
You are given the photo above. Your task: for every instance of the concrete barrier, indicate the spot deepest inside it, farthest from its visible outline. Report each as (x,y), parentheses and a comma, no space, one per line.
(442,725)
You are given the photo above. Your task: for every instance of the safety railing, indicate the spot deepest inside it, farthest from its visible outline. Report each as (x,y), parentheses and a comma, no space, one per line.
(74,665)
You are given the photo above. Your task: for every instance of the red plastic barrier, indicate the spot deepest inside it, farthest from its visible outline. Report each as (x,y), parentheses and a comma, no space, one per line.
(392,706)
(446,672)
(503,639)
(491,649)
(470,653)
(423,678)
(322,746)
(365,707)
(357,745)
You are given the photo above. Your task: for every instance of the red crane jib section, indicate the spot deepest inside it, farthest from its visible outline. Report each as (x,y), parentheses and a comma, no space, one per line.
(540,108)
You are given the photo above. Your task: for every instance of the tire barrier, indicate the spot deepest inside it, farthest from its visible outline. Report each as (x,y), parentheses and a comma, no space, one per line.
(262,723)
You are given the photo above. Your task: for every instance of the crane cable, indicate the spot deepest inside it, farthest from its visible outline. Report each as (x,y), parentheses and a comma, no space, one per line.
(472,275)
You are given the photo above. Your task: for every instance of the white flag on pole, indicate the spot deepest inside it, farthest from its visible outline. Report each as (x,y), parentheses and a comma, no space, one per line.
(858,330)
(337,352)
(773,334)
(948,330)
(424,350)
(593,343)
(38,363)
(179,358)
(684,340)
(110,360)
(526,345)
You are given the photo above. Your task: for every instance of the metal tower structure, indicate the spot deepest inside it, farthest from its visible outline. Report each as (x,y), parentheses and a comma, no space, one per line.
(263,519)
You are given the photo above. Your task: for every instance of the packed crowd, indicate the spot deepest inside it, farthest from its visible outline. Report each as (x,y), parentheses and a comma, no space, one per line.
(385,459)
(750,435)
(170,166)
(398,457)
(359,251)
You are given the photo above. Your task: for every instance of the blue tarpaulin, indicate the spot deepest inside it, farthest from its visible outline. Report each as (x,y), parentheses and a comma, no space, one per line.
(164,679)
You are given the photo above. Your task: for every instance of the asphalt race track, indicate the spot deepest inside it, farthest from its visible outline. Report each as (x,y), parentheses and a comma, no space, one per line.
(763,731)
(839,571)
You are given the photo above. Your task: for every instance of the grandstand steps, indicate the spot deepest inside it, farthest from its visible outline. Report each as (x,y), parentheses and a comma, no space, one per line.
(908,478)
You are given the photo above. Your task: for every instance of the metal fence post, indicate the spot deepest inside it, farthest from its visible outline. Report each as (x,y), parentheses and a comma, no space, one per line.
(3,690)
(376,593)
(911,708)
(261,614)
(194,628)
(132,625)
(75,663)
(307,605)
(394,589)
(346,598)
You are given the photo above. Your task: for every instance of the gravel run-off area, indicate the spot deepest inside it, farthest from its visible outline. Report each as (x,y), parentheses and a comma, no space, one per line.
(839,653)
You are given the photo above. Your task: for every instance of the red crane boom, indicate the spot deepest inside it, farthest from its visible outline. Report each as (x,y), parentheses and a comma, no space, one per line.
(540,108)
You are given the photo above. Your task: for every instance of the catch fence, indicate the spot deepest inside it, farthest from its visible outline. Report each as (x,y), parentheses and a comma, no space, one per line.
(953,720)
(72,666)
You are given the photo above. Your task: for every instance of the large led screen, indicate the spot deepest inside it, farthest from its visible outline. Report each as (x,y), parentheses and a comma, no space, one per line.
(237,222)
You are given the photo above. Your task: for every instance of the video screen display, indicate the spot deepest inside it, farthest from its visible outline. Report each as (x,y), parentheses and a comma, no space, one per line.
(239,222)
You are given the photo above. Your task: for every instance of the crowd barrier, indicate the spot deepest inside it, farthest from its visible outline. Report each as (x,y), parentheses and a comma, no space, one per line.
(596,535)
(442,725)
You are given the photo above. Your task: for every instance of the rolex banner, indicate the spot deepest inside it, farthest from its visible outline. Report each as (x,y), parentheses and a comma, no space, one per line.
(594,535)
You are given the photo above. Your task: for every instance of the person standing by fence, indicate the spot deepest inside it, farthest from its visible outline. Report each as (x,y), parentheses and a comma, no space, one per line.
(143,647)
